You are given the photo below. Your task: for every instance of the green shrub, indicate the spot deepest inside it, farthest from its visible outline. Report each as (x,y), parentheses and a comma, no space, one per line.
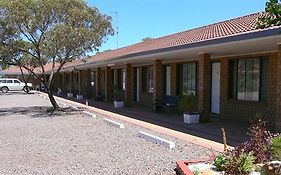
(117,94)
(275,148)
(186,103)
(239,162)
(219,162)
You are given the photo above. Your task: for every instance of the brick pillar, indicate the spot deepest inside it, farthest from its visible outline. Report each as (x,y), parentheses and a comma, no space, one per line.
(63,81)
(173,67)
(128,84)
(88,92)
(107,83)
(71,82)
(224,72)
(57,77)
(98,81)
(157,80)
(204,86)
(278,91)
(80,74)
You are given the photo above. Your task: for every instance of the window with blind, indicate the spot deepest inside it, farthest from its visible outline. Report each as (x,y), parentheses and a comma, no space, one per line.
(149,79)
(189,79)
(249,80)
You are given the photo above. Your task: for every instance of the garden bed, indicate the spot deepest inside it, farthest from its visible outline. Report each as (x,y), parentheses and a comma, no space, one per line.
(200,168)
(260,155)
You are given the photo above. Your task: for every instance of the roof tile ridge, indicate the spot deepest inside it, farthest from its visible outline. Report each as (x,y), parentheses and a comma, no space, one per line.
(209,25)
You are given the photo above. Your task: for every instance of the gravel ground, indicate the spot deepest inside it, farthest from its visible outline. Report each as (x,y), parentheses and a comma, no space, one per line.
(34,141)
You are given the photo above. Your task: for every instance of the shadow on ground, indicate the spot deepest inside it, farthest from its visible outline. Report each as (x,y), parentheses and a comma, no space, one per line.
(37,111)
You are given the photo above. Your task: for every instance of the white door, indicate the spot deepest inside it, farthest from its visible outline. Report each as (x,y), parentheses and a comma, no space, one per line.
(168,80)
(215,98)
(138,84)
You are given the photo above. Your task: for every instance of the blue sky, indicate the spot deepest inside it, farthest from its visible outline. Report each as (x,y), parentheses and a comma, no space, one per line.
(138,19)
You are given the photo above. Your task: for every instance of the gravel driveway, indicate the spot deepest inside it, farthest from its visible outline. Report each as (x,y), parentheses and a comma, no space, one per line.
(34,141)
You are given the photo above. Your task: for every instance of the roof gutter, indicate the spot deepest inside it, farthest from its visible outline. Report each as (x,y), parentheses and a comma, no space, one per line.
(233,38)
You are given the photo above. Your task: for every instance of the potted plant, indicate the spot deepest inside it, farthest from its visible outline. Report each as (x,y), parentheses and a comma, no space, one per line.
(118,98)
(186,105)
(79,96)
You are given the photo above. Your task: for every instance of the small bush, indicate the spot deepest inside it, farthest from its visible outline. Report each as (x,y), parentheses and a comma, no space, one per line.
(186,103)
(275,148)
(219,162)
(239,162)
(259,140)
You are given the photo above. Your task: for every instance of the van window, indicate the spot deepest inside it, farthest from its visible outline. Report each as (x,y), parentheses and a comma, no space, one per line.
(9,81)
(16,81)
(2,81)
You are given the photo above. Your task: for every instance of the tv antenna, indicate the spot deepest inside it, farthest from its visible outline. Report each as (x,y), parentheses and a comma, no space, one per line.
(117,28)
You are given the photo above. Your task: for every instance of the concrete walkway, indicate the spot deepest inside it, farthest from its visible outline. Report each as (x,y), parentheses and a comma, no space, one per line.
(209,133)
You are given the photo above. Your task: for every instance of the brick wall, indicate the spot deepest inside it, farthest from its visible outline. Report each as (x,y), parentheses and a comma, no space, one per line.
(63,85)
(278,89)
(173,78)
(108,85)
(98,80)
(128,85)
(204,86)
(240,110)
(157,80)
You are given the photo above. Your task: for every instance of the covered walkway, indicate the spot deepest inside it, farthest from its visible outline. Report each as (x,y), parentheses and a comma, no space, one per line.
(236,132)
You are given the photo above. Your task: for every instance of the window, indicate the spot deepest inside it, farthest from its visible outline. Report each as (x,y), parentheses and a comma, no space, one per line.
(189,79)
(16,81)
(9,81)
(2,81)
(249,80)
(149,79)
(92,76)
(123,79)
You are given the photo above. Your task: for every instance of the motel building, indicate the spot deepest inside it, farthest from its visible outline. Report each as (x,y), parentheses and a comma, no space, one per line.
(233,68)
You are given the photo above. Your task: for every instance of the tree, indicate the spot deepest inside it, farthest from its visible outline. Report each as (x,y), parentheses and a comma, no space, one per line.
(49,32)
(4,66)
(272,15)
(146,39)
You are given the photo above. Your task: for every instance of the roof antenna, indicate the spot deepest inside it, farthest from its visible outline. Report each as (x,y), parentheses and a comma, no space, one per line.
(117,28)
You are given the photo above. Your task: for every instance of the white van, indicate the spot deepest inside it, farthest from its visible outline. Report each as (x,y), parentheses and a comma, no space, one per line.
(13,84)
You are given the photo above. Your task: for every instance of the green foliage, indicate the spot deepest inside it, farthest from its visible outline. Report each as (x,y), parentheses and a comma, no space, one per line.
(54,28)
(219,162)
(272,15)
(275,148)
(239,162)
(36,32)
(197,171)
(186,103)
(117,94)
(4,66)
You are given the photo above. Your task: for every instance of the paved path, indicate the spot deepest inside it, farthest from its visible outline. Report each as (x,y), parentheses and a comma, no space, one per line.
(236,131)
(35,141)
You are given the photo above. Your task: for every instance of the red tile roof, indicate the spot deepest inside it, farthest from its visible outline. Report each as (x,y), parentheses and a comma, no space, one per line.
(236,26)
(232,27)
(14,70)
